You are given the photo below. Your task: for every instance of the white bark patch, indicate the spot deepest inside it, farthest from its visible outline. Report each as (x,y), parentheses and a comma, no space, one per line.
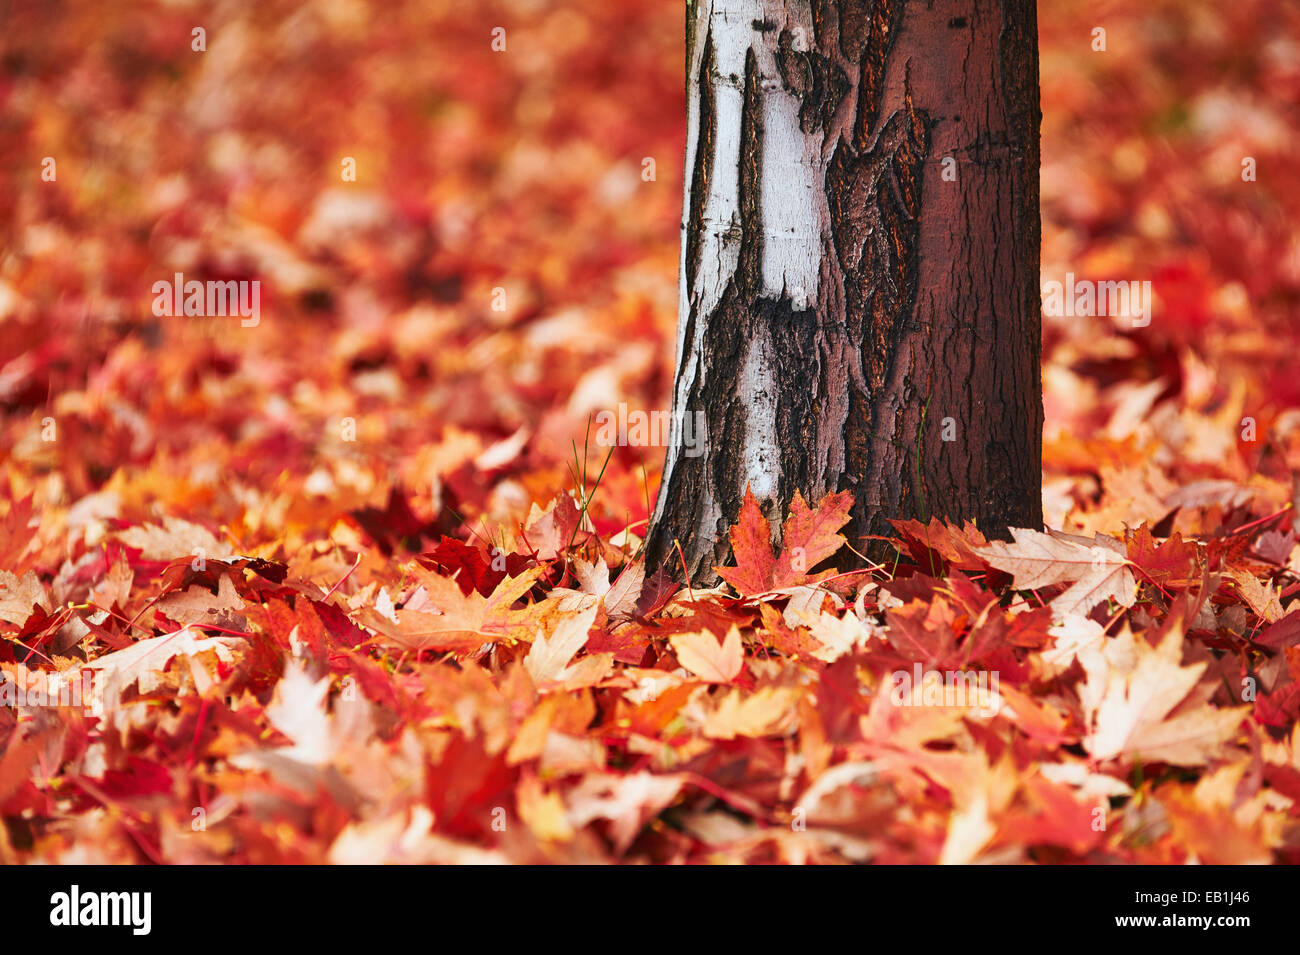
(793,181)
(791,188)
(757,388)
(792,194)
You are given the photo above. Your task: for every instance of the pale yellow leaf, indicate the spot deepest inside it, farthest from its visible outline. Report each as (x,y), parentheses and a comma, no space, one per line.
(706,658)
(549,657)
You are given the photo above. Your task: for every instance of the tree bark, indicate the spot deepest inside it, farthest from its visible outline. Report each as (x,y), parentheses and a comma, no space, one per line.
(850,317)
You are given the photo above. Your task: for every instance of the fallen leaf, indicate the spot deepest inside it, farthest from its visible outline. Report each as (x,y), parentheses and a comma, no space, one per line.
(706,658)
(1096,570)
(1142,703)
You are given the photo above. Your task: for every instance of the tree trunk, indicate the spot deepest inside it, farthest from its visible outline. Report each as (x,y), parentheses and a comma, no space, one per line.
(859,303)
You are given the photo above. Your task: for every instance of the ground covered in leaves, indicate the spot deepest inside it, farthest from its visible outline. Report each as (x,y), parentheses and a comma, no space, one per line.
(348,585)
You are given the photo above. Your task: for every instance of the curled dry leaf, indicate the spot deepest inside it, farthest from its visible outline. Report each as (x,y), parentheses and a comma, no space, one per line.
(1096,570)
(18,595)
(144,663)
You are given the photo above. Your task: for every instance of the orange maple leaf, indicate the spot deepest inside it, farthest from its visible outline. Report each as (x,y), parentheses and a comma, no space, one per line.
(709,660)
(808,537)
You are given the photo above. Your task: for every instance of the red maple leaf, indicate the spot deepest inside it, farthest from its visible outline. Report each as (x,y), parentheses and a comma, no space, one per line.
(808,538)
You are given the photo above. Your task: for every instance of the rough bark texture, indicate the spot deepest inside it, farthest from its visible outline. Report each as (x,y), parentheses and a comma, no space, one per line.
(849,319)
